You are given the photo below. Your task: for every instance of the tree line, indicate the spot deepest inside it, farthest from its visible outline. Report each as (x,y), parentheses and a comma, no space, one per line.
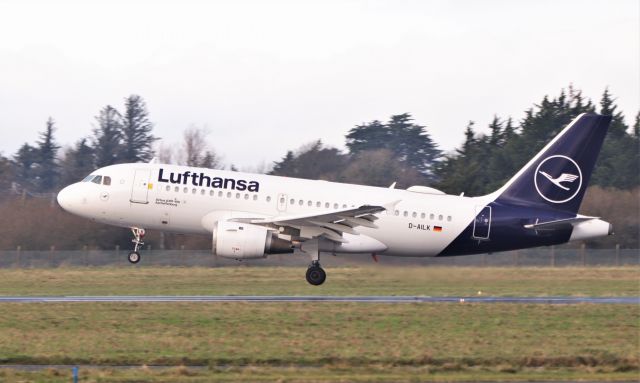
(377,153)
(399,150)
(116,138)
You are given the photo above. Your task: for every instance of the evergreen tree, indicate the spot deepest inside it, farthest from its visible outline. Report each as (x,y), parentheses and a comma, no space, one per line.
(495,127)
(107,137)
(484,163)
(77,163)
(618,164)
(137,139)
(410,143)
(6,175)
(371,136)
(46,166)
(313,161)
(25,162)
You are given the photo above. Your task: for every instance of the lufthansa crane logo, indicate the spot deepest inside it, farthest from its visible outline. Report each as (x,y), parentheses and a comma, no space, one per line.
(558,179)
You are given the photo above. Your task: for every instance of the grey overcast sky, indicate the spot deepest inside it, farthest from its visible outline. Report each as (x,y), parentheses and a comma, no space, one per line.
(269,76)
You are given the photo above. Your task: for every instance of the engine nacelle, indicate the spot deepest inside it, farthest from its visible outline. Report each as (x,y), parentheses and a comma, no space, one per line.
(245,241)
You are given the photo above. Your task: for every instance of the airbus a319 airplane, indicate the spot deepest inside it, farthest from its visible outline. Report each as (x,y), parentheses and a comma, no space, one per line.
(253,215)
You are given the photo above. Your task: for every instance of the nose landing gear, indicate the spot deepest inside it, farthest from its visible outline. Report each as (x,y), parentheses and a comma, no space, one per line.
(138,234)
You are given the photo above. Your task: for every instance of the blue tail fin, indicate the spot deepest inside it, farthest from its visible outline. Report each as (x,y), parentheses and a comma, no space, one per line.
(558,175)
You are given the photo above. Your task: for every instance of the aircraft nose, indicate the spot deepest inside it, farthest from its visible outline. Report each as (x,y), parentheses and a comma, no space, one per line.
(68,198)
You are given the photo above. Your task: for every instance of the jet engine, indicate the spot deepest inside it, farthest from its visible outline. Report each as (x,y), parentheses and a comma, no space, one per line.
(246,241)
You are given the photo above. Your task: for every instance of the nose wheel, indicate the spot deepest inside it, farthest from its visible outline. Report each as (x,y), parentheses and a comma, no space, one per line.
(138,234)
(134,257)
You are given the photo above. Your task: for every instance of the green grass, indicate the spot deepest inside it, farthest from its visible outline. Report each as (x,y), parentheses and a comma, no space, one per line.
(322,341)
(498,339)
(446,281)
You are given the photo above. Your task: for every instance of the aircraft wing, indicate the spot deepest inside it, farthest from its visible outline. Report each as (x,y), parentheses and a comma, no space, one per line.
(557,224)
(330,224)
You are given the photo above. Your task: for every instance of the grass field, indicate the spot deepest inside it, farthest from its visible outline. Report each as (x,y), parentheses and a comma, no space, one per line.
(451,281)
(327,341)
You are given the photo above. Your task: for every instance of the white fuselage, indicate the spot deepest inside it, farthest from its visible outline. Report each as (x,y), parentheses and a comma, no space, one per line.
(416,223)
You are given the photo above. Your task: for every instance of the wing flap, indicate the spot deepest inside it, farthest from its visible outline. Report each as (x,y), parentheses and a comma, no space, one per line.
(328,224)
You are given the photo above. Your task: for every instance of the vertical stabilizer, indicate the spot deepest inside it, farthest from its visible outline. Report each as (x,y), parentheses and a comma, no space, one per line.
(558,175)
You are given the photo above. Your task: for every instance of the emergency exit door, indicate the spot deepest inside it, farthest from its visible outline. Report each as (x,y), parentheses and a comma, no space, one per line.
(141,186)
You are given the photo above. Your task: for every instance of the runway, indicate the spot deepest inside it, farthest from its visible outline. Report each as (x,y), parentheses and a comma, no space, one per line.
(320,299)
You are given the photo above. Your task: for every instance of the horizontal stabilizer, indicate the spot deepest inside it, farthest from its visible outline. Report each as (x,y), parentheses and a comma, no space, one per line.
(558,224)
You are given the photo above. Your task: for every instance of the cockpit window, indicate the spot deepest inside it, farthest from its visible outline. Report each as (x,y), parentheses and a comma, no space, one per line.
(106,180)
(88,178)
(97,180)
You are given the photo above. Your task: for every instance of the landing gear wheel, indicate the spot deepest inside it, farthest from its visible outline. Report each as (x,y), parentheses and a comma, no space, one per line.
(138,234)
(316,275)
(134,257)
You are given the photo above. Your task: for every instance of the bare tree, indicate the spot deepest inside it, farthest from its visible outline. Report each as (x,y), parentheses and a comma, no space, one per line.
(195,151)
(164,153)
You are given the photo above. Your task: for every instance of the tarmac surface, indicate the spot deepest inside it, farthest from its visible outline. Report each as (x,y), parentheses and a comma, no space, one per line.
(321,298)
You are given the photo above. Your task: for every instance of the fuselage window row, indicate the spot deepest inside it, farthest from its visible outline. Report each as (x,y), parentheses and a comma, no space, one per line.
(107,181)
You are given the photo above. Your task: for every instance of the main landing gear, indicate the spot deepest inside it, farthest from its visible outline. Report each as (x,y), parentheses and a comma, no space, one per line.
(315,274)
(138,234)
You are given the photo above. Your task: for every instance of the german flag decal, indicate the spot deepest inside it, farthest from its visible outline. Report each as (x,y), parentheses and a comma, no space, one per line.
(437,228)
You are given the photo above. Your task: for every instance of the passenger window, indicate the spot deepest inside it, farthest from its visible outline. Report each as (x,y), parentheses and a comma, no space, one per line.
(335,205)
(255,197)
(281,199)
(194,190)
(106,180)
(212,193)
(318,204)
(237,195)
(186,190)
(292,201)
(97,180)
(422,215)
(309,203)
(414,214)
(246,196)
(168,188)
(269,199)
(229,195)
(344,206)
(327,205)
(440,217)
(397,212)
(301,202)
(177,189)
(202,191)
(431,216)
(220,194)
(406,213)
(449,218)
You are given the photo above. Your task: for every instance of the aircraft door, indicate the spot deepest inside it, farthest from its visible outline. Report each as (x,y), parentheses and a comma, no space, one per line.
(482,223)
(141,186)
(282,202)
